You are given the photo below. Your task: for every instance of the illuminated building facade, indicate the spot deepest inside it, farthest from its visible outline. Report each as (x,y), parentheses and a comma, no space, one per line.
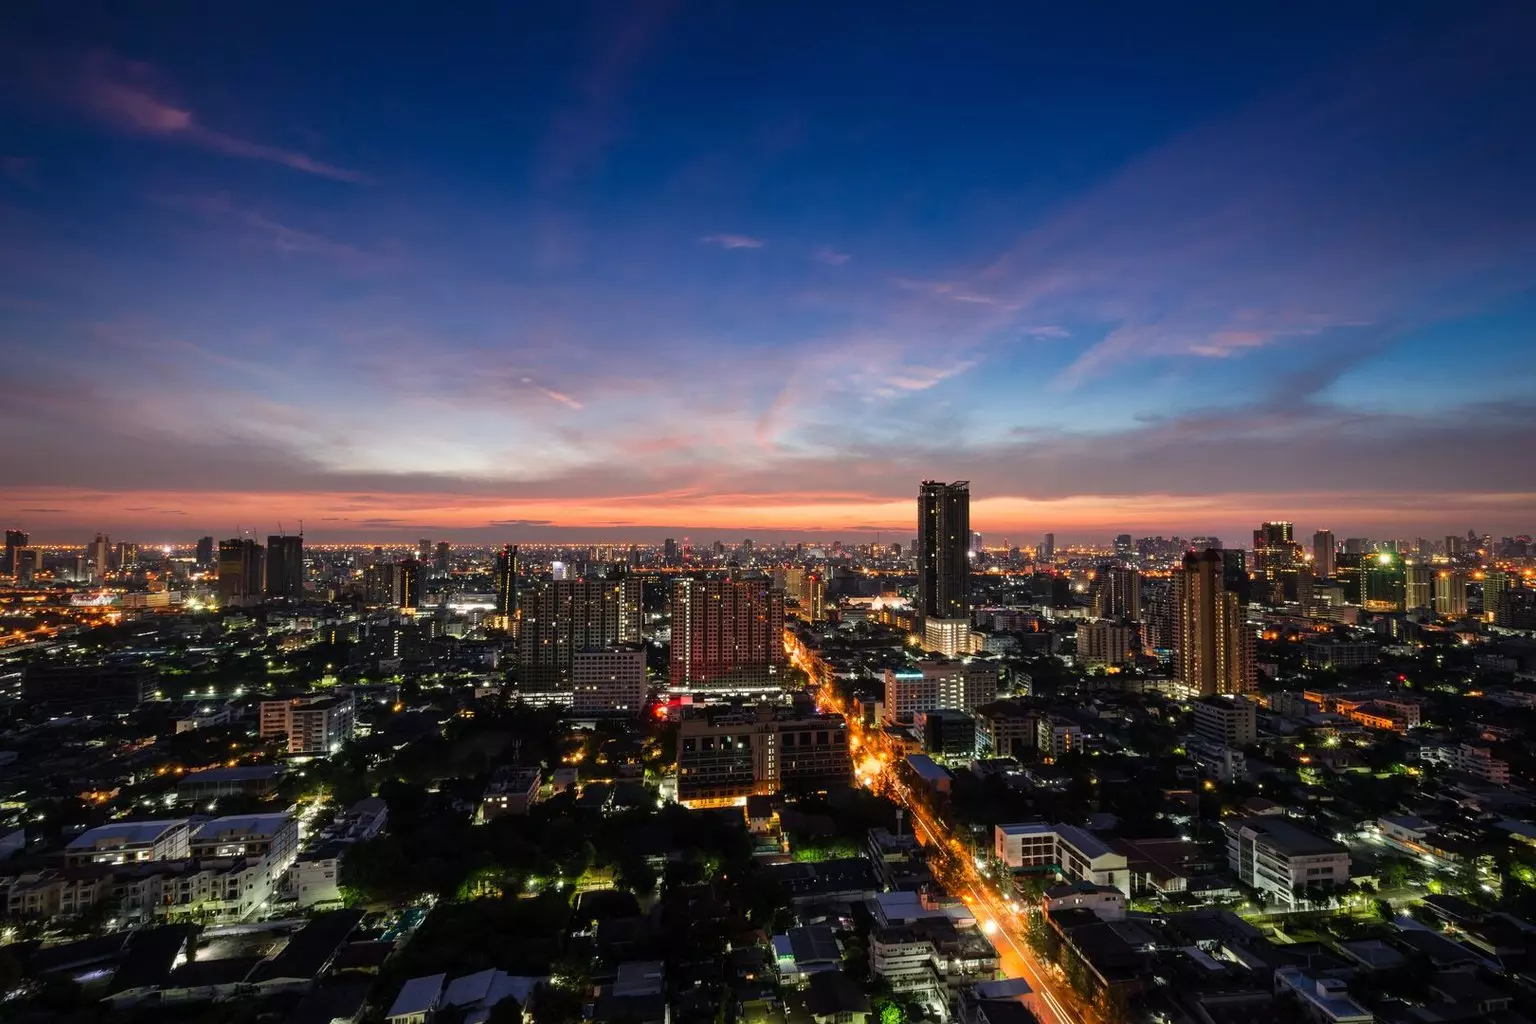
(506,585)
(1213,648)
(727,634)
(562,617)
(943,540)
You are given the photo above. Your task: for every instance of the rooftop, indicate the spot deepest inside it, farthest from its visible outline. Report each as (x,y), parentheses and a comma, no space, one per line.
(418,996)
(126,833)
(243,825)
(1288,839)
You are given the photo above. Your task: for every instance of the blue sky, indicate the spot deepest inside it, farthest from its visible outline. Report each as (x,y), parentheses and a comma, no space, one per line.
(631,269)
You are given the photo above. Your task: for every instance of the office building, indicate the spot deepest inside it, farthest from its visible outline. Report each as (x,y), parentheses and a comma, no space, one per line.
(1383,583)
(723,758)
(947,732)
(424,550)
(1116,592)
(124,555)
(561,617)
(1324,547)
(441,560)
(943,562)
(410,584)
(310,725)
(1450,593)
(1496,582)
(512,789)
(285,567)
(1124,546)
(1234,573)
(669,551)
(101,556)
(952,638)
(1280,859)
(506,585)
(1105,642)
(931,684)
(26,564)
(727,634)
(608,681)
(813,598)
(1072,852)
(205,551)
(13,539)
(1213,648)
(1047,552)
(1227,721)
(241,572)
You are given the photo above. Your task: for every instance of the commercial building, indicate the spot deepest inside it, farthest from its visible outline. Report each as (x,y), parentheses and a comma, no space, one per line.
(561,617)
(1071,852)
(1103,642)
(608,681)
(241,572)
(952,638)
(1282,859)
(1227,721)
(13,539)
(1478,762)
(724,757)
(274,836)
(933,683)
(948,732)
(1331,652)
(943,540)
(1213,648)
(285,567)
(310,725)
(727,635)
(130,842)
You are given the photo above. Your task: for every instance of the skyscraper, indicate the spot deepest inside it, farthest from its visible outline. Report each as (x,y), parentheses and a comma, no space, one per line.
(1383,583)
(240,571)
(727,635)
(101,556)
(1418,587)
(285,567)
(669,551)
(943,535)
(204,552)
(1123,546)
(410,584)
(381,584)
(13,539)
(506,585)
(1047,550)
(1450,596)
(1213,648)
(1323,551)
(561,617)
(1116,592)
(440,564)
(424,549)
(124,555)
(27,563)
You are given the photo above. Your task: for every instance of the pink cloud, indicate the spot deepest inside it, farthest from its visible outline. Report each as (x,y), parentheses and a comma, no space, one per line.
(123,93)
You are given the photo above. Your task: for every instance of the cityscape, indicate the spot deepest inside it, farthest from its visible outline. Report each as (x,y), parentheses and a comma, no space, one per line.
(665,513)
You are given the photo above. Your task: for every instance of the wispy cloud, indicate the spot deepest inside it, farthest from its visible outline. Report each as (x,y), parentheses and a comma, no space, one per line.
(831,257)
(126,95)
(285,237)
(733,241)
(552,395)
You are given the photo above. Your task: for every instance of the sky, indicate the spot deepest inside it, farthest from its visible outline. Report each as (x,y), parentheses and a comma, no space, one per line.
(612,270)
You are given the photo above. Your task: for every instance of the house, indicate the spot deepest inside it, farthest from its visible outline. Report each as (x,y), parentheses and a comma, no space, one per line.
(475,995)
(1106,902)
(801,953)
(1324,1000)
(835,998)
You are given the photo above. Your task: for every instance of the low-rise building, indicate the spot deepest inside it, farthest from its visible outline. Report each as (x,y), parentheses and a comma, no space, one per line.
(1066,850)
(1478,762)
(1324,1000)
(130,842)
(1283,860)
(513,789)
(1105,901)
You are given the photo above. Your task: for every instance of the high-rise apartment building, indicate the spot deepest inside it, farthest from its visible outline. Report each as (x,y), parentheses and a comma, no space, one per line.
(562,617)
(1105,642)
(506,585)
(961,684)
(124,554)
(411,580)
(1383,583)
(1124,546)
(1047,551)
(285,567)
(727,634)
(311,725)
(424,549)
(943,540)
(1116,592)
(381,584)
(1418,587)
(1213,648)
(205,551)
(443,558)
(1450,593)
(241,565)
(13,539)
(1324,548)
(669,551)
(26,564)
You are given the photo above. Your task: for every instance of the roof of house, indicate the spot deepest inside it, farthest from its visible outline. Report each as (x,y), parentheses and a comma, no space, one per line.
(341,999)
(151,954)
(418,996)
(311,947)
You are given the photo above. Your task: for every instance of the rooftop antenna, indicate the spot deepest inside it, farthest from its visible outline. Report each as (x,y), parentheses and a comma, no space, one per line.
(301,529)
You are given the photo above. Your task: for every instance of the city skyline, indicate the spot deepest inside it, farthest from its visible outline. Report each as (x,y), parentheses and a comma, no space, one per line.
(689,272)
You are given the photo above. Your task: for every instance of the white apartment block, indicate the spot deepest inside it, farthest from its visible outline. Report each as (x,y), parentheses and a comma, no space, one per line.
(1277,857)
(311,725)
(130,842)
(1102,642)
(933,683)
(608,681)
(1478,762)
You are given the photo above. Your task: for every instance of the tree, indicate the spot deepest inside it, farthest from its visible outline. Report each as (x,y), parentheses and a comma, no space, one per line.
(508,1011)
(892,1013)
